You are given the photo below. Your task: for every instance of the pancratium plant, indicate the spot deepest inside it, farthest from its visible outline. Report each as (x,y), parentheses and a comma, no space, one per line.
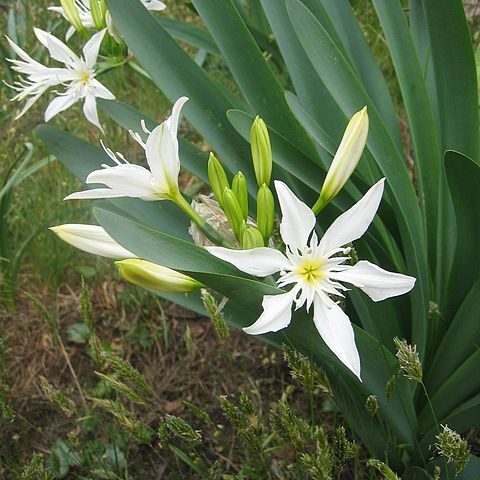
(427,226)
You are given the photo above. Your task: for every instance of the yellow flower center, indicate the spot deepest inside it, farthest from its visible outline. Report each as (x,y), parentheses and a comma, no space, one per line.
(84,77)
(311,270)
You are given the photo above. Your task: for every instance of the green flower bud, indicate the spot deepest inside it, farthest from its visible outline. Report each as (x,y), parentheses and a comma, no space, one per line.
(345,160)
(232,210)
(261,151)
(265,212)
(72,15)
(252,238)
(239,187)
(98,13)
(150,275)
(218,178)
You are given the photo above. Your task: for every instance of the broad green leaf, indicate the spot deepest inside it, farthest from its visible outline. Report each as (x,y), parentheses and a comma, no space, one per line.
(452,53)
(262,90)
(463,177)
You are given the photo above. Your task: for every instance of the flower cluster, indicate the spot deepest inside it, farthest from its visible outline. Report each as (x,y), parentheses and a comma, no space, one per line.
(309,271)
(76,78)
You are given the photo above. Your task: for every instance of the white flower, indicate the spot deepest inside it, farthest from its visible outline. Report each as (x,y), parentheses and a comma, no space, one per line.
(78,76)
(92,239)
(85,13)
(127,180)
(314,271)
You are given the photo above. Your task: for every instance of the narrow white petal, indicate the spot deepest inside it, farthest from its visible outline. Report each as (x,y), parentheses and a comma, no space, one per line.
(335,328)
(92,239)
(352,224)
(298,220)
(154,5)
(95,193)
(376,282)
(92,47)
(277,314)
(174,118)
(132,180)
(57,49)
(59,104)
(90,111)
(99,90)
(71,30)
(260,261)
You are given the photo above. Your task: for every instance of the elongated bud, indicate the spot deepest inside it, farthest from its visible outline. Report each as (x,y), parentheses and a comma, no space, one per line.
(150,275)
(239,187)
(265,212)
(218,178)
(261,151)
(345,160)
(72,15)
(98,13)
(232,210)
(91,239)
(252,238)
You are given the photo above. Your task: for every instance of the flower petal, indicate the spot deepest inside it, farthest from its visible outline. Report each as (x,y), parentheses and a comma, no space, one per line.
(90,111)
(277,314)
(59,104)
(154,5)
(352,224)
(57,49)
(99,90)
(94,193)
(92,239)
(132,180)
(91,48)
(298,220)
(260,261)
(377,283)
(335,328)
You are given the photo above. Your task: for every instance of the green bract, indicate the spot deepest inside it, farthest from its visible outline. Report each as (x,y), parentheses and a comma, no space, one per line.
(427,228)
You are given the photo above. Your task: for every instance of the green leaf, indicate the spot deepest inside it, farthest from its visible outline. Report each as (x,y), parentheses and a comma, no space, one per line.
(262,91)
(463,177)
(452,52)
(78,333)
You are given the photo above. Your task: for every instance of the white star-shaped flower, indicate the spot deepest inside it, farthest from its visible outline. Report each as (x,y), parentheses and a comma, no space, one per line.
(315,271)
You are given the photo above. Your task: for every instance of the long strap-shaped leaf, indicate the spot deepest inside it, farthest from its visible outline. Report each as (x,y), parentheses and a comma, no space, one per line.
(454,65)
(176,74)
(350,94)
(253,74)
(419,111)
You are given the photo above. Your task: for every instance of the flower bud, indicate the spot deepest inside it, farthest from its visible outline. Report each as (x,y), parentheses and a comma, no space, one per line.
(232,210)
(252,238)
(265,212)
(239,187)
(91,239)
(98,13)
(150,275)
(261,151)
(218,178)
(345,160)
(72,14)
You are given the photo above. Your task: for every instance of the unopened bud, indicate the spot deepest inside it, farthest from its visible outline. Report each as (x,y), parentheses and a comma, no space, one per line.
(371,405)
(345,160)
(150,275)
(239,187)
(233,211)
(72,15)
(218,178)
(261,151)
(265,212)
(98,13)
(252,238)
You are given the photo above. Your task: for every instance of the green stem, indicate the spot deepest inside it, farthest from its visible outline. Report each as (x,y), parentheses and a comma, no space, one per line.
(206,229)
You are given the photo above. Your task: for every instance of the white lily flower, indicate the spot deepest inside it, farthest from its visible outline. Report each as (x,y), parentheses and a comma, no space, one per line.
(128,180)
(85,13)
(314,271)
(78,76)
(92,239)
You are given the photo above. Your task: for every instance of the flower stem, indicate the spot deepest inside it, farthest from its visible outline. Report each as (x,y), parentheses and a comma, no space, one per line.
(206,229)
